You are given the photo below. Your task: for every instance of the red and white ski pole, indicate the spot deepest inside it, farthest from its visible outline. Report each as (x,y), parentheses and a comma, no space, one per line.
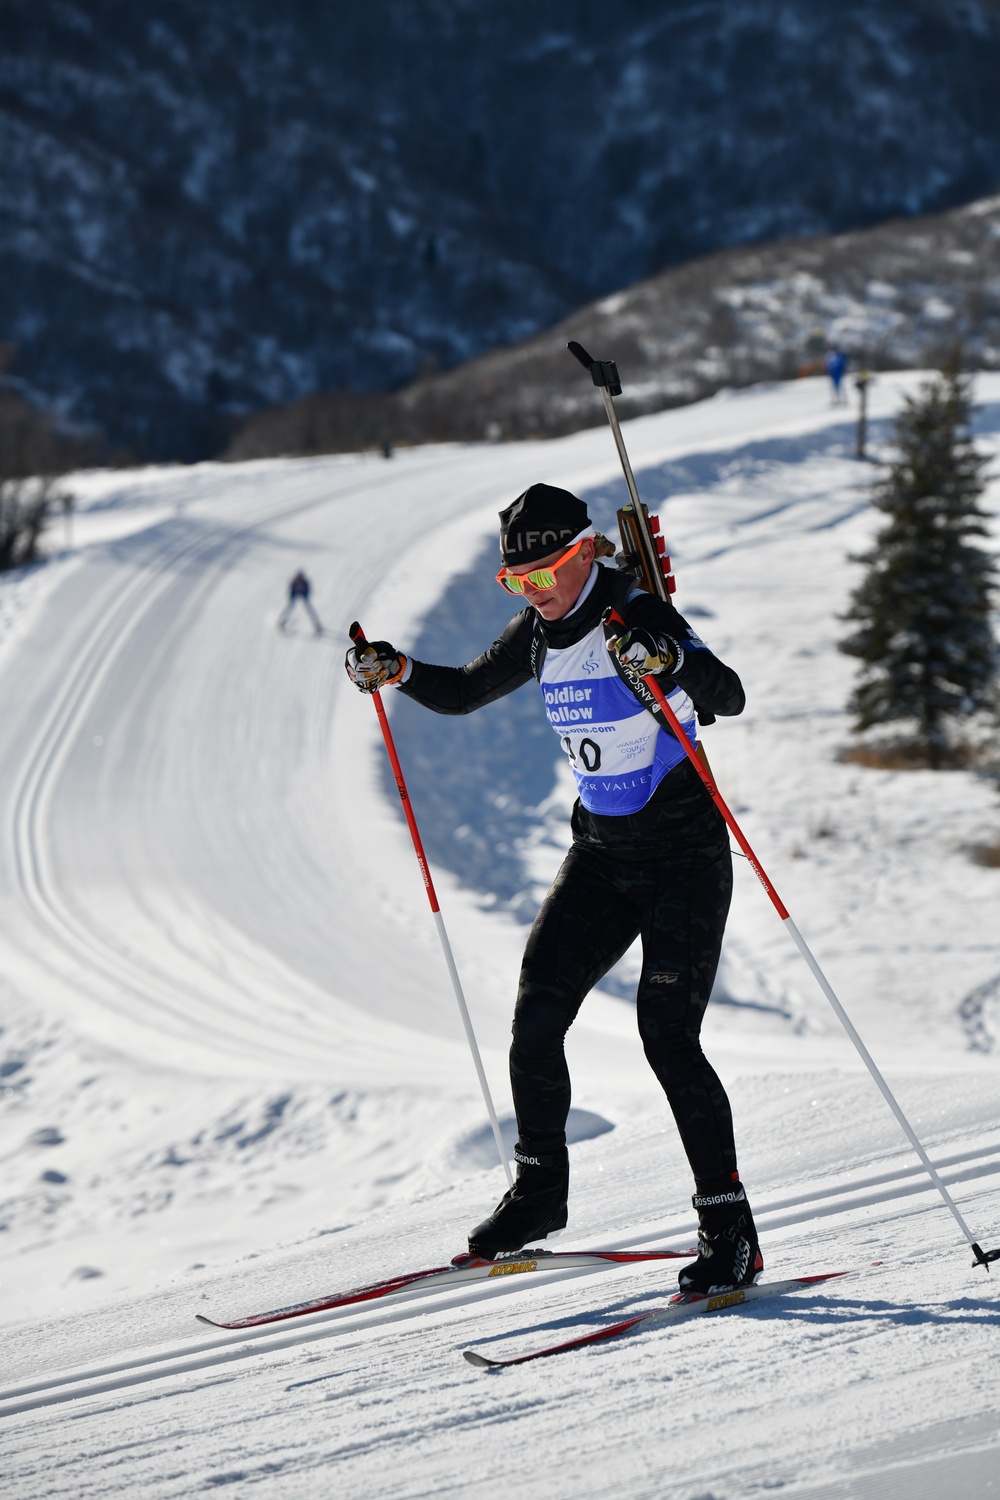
(983,1257)
(358,637)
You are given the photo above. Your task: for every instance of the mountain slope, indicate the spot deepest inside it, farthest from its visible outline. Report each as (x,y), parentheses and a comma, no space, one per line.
(210,208)
(901,295)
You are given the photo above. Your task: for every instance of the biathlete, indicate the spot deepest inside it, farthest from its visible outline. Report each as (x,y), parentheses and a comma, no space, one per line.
(650,857)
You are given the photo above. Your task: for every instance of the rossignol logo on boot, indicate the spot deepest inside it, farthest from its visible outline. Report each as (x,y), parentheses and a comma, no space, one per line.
(717,1198)
(526,1161)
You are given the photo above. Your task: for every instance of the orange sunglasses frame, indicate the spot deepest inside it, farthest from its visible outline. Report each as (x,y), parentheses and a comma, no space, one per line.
(537,573)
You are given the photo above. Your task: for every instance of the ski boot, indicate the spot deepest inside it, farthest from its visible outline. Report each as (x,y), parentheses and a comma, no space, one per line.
(533,1208)
(728,1252)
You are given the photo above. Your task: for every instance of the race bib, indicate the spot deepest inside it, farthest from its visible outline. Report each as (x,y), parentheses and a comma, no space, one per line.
(618,752)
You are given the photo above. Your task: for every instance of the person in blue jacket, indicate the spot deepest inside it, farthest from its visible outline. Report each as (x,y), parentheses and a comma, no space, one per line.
(650,858)
(299,589)
(836,368)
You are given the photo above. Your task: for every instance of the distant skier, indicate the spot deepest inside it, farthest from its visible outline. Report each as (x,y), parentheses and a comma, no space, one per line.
(299,589)
(650,857)
(836,368)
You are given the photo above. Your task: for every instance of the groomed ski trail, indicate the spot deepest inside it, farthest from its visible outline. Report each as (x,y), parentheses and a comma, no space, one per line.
(374,1318)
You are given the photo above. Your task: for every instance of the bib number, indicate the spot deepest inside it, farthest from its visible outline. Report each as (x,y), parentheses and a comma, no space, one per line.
(587,753)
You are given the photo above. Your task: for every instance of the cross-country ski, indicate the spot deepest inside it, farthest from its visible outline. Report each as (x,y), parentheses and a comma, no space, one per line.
(683,1305)
(463,1270)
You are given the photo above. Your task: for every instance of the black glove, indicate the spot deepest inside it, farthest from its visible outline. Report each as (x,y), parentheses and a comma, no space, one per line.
(374,665)
(645,653)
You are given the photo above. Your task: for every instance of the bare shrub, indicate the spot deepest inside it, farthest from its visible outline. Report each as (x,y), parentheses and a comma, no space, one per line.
(34,452)
(24,509)
(911,755)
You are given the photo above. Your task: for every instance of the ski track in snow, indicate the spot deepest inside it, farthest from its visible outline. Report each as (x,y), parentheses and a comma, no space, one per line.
(231,1071)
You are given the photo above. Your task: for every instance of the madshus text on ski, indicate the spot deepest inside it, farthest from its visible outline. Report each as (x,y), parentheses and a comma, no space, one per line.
(649,858)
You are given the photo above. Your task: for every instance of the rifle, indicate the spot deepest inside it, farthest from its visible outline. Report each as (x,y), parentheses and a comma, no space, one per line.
(644,551)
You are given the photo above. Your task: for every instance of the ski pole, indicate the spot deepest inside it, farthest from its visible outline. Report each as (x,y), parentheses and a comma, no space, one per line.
(361,646)
(983,1258)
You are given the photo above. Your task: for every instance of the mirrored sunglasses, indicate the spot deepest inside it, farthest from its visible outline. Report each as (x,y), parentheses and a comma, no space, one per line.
(539,578)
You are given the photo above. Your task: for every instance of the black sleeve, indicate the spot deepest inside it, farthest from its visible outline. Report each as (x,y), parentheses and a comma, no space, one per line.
(505,666)
(712,687)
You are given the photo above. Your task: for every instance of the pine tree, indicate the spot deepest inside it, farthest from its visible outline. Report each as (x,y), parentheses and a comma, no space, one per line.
(922,610)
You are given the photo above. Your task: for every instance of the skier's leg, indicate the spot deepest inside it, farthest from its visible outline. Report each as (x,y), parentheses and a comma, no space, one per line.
(682,940)
(317,627)
(584,926)
(682,930)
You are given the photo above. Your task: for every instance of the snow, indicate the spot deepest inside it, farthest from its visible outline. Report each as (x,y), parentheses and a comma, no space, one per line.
(233,1074)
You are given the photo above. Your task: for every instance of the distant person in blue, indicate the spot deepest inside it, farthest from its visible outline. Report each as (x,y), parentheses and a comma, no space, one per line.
(836,368)
(299,589)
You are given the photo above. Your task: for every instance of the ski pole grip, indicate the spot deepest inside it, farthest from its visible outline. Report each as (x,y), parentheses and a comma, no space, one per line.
(358,639)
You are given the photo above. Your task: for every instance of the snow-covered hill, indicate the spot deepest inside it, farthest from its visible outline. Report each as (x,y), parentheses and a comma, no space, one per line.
(232,1073)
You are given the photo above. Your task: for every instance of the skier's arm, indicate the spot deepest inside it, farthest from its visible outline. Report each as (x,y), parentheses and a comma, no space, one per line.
(503,667)
(712,686)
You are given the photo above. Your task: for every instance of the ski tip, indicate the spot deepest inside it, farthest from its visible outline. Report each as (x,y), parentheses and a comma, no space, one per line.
(479,1360)
(209,1322)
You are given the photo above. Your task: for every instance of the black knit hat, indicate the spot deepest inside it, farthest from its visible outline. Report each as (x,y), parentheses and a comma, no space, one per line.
(539,522)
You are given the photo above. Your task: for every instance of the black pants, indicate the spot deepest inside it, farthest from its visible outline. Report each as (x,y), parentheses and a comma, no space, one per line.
(665,874)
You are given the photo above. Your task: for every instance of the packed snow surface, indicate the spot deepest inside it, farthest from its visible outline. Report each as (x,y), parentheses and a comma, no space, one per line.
(233,1073)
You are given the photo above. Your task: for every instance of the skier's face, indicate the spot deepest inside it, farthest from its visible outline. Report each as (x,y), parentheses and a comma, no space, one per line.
(557,601)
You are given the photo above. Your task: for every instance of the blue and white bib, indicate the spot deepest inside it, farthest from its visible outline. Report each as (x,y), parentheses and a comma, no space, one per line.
(618,752)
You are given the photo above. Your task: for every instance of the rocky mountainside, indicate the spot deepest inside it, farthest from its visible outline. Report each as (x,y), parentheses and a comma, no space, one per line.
(213,205)
(899,296)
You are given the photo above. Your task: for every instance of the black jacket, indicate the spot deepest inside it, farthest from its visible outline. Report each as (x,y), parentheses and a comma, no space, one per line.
(517,655)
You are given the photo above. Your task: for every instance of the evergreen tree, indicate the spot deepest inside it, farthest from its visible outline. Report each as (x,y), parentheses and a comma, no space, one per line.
(922,610)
